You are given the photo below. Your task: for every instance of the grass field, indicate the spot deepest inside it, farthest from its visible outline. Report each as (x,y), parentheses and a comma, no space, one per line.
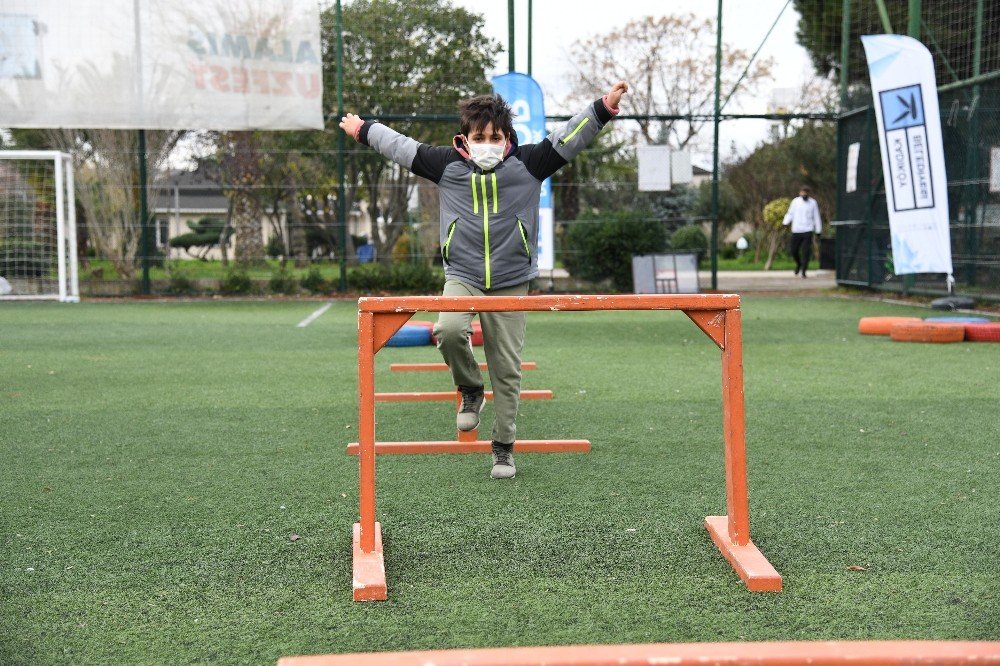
(159,458)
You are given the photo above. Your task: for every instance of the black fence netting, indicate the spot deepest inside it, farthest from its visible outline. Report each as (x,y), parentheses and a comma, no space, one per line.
(971,132)
(962,39)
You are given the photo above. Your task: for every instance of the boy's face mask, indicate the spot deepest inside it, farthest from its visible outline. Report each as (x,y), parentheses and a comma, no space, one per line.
(486,155)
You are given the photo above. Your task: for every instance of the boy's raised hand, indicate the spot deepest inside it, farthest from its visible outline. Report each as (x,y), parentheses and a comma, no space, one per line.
(351,124)
(615,95)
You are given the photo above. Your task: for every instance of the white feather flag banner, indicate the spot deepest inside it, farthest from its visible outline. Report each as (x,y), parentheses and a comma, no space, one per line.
(909,129)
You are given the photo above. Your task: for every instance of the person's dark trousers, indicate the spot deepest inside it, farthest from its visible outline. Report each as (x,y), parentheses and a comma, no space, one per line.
(801,249)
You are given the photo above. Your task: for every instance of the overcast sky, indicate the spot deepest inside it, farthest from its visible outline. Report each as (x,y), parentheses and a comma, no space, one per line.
(559,23)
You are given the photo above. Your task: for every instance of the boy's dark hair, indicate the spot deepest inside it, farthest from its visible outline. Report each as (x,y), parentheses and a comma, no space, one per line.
(806,189)
(476,112)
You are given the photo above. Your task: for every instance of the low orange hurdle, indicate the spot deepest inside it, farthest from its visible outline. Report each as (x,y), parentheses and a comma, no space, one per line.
(443,396)
(437,367)
(717,315)
(438,396)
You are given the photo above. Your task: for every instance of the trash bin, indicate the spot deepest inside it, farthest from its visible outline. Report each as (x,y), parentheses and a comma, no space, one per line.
(827,253)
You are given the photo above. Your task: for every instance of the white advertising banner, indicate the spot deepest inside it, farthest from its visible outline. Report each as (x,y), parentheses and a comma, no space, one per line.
(161,64)
(909,128)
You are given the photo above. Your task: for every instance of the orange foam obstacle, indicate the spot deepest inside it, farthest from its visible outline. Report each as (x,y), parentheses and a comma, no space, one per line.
(717,315)
(925,331)
(812,653)
(983,332)
(882,325)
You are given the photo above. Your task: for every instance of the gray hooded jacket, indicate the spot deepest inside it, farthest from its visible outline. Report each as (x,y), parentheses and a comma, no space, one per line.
(489,220)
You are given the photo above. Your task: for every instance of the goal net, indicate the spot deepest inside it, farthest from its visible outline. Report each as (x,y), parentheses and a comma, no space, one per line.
(37,226)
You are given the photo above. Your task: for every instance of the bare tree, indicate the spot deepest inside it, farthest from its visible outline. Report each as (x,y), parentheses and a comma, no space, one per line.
(106,166)
(669,62)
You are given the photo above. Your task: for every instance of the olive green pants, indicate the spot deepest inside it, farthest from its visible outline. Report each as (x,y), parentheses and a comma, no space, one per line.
(503,340)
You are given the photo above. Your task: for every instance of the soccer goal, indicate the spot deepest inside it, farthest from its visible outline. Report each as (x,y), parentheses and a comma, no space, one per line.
(37,226)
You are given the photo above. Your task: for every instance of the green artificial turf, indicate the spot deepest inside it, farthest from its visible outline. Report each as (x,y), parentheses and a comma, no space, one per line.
(159,458)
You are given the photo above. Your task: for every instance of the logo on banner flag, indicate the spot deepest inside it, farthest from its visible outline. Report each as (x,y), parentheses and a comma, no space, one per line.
(906,139)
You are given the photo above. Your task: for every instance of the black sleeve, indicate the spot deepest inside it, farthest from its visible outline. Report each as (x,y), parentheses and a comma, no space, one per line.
(541,159)
(431,161)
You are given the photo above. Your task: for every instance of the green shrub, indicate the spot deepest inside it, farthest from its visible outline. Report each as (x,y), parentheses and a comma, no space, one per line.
(283,282)
(237,281)
(596,251)
(728,251)
(395,278)
(689,237)
(23,258)
(774,211)
(205,233)
(314,282)
(179,282)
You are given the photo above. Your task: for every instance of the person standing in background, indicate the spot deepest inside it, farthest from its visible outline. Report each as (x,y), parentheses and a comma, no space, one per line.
(803,215)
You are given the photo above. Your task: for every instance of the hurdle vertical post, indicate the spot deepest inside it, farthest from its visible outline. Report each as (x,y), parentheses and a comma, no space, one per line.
(731,533)
(734,431)
(366,428)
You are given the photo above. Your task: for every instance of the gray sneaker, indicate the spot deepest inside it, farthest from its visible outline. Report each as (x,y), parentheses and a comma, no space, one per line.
(473,401)
(503,461)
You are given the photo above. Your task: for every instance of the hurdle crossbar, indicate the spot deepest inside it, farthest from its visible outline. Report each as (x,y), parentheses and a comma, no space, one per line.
(717,315)
(441,367)
(442,396)
(800,653)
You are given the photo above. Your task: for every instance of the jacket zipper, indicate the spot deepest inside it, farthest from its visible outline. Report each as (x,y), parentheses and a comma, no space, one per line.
(447,243)
(486,215)
(524,238)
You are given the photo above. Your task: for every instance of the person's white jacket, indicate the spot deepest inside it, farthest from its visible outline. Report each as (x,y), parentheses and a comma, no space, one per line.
(803,215)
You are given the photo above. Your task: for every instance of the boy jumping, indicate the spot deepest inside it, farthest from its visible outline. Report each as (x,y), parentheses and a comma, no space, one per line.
(489,189)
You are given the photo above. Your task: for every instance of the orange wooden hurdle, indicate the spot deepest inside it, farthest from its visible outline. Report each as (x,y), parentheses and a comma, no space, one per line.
(717,315)
(804,653)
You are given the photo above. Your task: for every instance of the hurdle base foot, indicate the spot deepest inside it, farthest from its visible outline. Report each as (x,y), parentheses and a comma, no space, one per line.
(748,562)
(369,568)
(478,446)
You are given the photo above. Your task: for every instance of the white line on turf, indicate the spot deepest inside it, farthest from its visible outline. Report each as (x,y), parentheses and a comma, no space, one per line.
(314,316)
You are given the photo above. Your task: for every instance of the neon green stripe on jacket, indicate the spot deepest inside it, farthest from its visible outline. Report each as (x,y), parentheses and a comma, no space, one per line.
(566,139)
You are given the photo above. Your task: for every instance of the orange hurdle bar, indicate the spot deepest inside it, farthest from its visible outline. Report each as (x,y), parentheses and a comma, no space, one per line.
(431,367)
(437,396)
(717,315)
(476,446)
(812,653)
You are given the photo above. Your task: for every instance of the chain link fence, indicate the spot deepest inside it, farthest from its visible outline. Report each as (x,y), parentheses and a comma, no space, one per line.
(293,211)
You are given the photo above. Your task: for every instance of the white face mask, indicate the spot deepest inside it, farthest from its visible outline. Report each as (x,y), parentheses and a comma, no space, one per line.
(486,155)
